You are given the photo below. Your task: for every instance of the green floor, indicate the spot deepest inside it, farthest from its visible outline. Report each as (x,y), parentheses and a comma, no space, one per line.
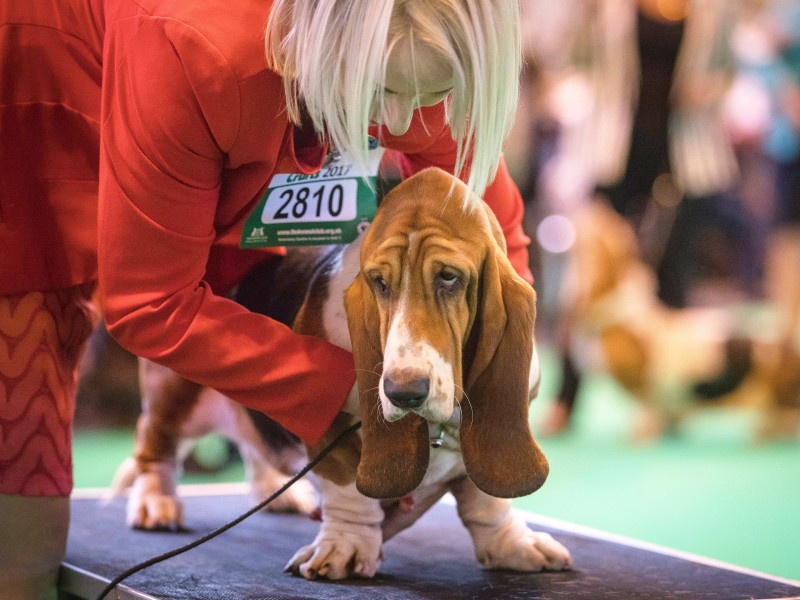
(709,491)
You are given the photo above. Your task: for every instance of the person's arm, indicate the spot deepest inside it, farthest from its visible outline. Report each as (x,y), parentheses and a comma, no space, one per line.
(170,114)
(430,143)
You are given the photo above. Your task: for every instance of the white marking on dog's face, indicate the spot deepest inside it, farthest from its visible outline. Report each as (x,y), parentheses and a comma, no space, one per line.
(409,358)
(420,279)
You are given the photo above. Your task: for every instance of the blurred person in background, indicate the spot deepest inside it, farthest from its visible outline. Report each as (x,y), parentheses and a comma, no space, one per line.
(649,138)
(533,142)
(767,45)
(783,145)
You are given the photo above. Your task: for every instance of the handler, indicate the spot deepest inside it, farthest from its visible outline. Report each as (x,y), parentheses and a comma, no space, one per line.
(173,108)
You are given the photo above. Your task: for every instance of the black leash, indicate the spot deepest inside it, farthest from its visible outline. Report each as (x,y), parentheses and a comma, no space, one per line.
(162,557)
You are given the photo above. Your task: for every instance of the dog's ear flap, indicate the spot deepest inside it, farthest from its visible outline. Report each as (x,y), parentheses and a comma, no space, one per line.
(500,454)
(394,455)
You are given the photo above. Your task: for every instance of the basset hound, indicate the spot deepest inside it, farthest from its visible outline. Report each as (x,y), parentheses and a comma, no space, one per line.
(672,361)
(442,333)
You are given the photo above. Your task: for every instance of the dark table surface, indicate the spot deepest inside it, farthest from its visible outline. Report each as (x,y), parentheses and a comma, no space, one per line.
(431,560)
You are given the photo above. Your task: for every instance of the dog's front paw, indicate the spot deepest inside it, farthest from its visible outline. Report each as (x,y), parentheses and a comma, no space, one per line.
(529,551)
(339,555)
(301,497)
(153,502)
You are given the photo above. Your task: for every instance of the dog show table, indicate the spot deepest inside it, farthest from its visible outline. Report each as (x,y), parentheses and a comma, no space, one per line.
(432,560)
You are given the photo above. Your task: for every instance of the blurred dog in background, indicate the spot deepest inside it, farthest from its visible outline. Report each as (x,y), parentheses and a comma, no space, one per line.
(676,360)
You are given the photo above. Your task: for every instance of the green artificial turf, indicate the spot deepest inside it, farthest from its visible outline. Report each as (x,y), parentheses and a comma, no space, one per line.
(708,489)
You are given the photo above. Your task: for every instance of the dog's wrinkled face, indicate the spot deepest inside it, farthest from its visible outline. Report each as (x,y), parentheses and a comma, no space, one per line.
(421,282)
(439,318)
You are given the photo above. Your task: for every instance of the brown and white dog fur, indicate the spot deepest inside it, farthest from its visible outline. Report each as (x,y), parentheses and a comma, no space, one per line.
(662,356)
(442,333)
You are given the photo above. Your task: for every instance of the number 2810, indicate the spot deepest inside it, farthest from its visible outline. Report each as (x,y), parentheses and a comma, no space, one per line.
(324,201)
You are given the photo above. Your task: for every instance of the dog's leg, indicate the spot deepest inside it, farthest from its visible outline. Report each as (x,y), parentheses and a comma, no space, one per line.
(167,400)
(349,540)
(501,538)
(260,462)
(175,410)
(659,414)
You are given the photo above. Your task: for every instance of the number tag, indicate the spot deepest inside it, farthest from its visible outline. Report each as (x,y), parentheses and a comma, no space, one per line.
(328,207)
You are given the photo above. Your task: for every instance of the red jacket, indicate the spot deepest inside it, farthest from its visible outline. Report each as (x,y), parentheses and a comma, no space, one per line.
(193,127)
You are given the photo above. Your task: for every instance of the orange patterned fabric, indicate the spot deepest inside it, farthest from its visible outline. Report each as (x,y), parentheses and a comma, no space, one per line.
(42,336)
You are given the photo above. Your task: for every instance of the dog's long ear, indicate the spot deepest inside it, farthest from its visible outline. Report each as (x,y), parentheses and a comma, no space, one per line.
(394,455)
(500,454)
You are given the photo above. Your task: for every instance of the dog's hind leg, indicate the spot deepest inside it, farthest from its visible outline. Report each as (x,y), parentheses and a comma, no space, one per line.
(268,466)
(167,400)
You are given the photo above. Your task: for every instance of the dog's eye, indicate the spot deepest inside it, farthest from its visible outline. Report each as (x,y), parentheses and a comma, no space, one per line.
(448,282)
(380,285)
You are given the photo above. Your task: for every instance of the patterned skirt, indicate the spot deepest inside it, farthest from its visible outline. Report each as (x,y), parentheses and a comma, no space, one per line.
(42,337)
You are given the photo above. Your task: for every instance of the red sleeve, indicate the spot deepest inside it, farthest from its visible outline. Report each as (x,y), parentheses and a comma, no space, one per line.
(170,112)
(430,143)
(504,198)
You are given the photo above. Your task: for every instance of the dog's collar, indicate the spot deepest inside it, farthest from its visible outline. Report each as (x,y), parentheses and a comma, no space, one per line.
(436,430)
(437,441)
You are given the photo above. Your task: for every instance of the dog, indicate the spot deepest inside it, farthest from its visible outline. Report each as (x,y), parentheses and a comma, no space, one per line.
(442,333)
(672,361)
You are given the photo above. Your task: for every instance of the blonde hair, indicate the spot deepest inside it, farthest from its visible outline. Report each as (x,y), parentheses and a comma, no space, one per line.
(332,55)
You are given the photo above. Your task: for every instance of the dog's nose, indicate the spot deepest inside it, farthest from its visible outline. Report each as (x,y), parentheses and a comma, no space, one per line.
(408,394)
